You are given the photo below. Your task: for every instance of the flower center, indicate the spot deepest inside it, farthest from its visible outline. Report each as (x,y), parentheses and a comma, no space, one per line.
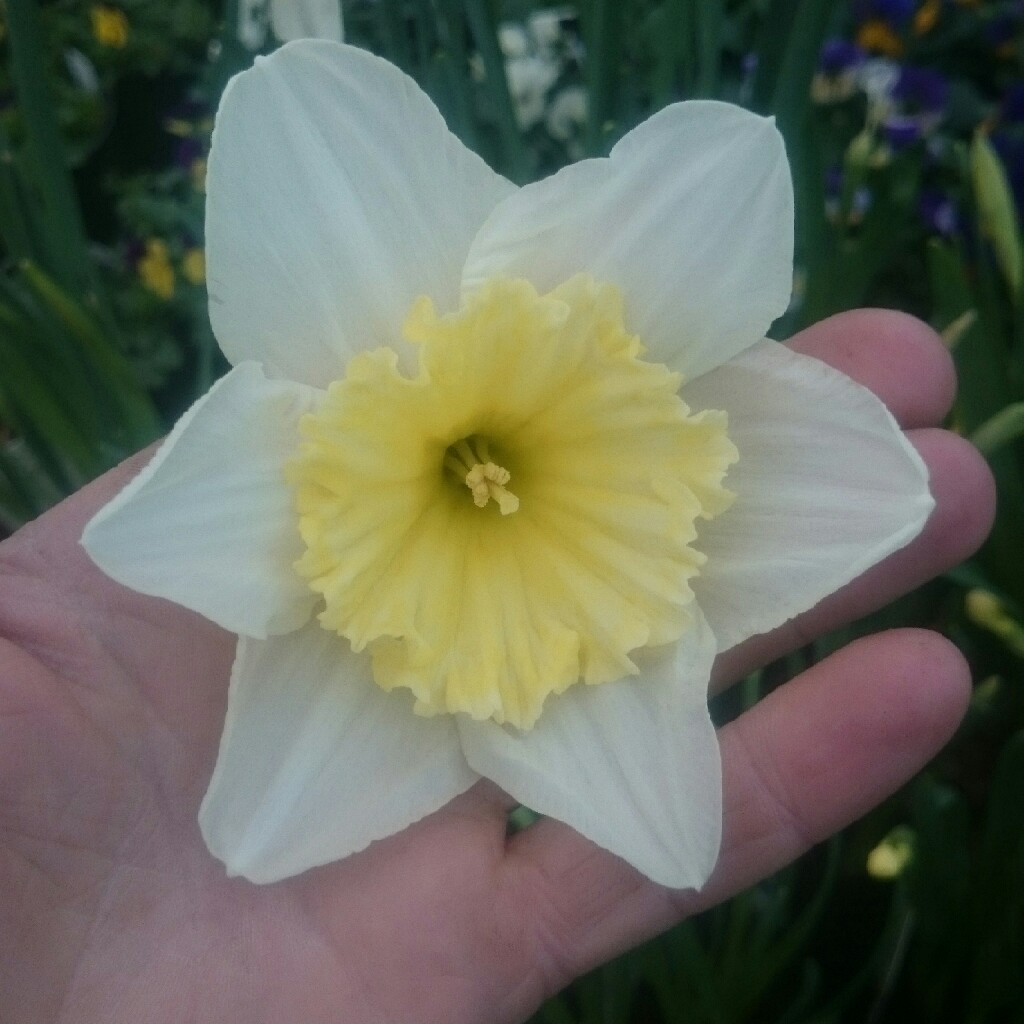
(470,461)
(475,610)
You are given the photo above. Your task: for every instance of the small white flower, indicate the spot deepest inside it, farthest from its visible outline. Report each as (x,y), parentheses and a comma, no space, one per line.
(529,80)
(547,28)
(306,19)
(289,19)
(877,77)
(513,40)
(444,489)
(251,26)
(567,115)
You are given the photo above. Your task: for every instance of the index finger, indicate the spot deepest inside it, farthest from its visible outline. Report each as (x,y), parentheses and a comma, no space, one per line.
(905,363)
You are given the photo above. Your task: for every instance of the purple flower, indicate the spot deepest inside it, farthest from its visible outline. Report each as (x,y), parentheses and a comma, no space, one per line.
(833,181)
(901,131)
(938,212)
(860,201)
(895,12)
(1011,110)
(187,151)
(134,249)
(913,101)
(921,91)
(838,56)
(1001,30)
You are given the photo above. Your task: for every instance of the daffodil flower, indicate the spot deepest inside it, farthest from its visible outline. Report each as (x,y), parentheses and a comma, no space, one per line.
(497,471)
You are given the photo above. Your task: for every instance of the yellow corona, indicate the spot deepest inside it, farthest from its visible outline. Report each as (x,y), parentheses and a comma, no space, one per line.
(519,513)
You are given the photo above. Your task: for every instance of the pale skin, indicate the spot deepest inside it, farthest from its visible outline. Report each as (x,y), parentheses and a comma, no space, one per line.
(111,705)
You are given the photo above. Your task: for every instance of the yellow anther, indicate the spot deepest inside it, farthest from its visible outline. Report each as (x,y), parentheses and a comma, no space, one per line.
(485,479)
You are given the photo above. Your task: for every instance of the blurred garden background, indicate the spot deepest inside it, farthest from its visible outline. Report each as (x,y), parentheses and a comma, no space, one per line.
(904,121)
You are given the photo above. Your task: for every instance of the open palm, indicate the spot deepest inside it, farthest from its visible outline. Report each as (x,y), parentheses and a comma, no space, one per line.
(111,706)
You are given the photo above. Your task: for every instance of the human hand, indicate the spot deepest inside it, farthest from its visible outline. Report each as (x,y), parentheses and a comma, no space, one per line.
(111,707)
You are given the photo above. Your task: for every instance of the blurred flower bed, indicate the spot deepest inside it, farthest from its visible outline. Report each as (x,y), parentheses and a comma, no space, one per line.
(905,124)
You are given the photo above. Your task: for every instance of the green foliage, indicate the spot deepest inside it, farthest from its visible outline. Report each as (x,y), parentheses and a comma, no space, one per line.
(105,115)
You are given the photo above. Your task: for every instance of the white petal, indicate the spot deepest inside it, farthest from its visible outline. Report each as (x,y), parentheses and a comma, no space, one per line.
(209,523)
(316,761)
(826,484)
(691,216)
(336,196)
(632,765)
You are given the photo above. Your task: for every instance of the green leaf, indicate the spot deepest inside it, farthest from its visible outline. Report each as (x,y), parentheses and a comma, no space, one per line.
(1005,426)
(709,22)
(111,368)
(62,231)
(980,353)
(939,874)
(27,490)
(390,20)
(485,36)
(604,25)
(996,209)
(792,92)
(17,505)
(15,226)
(998,934)
(31,401)
(671,33)
(982,360)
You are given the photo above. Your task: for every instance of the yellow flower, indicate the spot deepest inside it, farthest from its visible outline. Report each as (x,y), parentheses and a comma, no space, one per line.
(891,857)
(109,26)
(987,611)
(180,127)
(926,17)
(198,173)
(497,472)
(877,36)
(193,265)
(543,404)
(155,270)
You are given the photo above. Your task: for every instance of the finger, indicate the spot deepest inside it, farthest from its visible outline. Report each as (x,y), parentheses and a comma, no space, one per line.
(964,508)
(897,356)
(813,756)
(803,765)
